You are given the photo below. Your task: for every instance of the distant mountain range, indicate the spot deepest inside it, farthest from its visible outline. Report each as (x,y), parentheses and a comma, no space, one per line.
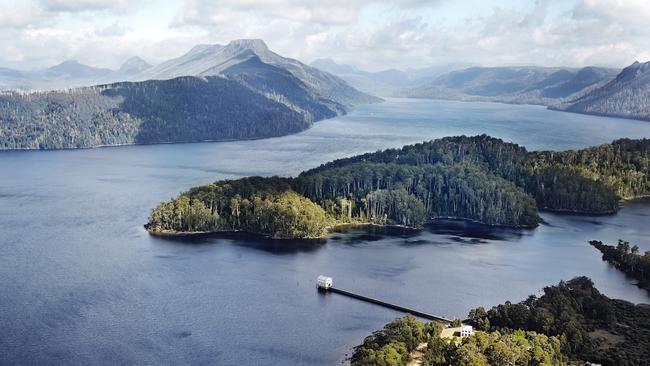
(524,85)
(591,90)
(70,74)
(238,91)
(388,82)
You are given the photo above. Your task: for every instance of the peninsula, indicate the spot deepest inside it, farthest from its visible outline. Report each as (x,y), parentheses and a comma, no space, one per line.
(478,178)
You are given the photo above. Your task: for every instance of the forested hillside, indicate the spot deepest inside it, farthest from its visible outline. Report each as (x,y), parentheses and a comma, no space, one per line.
(475,178)
(628,95)
(179,110)
(569,324)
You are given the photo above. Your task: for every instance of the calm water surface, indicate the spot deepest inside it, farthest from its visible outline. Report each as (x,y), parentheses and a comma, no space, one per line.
(82,283)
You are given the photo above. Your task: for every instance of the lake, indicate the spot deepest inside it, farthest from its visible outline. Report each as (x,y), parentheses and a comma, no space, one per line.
(83,283)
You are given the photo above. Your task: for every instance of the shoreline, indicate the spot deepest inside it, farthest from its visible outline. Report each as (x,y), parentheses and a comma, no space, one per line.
(550,107)
(347,111)
(433,220)
(329,229)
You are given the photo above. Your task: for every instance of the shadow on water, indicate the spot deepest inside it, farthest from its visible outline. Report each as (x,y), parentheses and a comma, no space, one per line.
(460,231)
(474,233)
(247,240)
(354,234)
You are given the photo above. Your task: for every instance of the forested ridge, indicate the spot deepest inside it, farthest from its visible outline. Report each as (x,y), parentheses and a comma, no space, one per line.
(627,95)
(184,109)
(476,178)
(569,324)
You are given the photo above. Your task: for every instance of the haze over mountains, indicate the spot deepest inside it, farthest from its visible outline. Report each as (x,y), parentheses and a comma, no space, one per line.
(590,90)
(70,74)
(526,85)
(238,91)
(387,82)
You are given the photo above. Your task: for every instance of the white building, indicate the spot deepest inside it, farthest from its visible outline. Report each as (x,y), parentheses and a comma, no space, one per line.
(457,332)
(324,282)
(466,331)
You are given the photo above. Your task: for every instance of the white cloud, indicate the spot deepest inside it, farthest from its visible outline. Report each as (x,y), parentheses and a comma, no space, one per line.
(19,14)
(75,6)
(369,33)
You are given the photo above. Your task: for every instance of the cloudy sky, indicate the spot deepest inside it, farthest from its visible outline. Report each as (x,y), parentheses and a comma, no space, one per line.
(370,34)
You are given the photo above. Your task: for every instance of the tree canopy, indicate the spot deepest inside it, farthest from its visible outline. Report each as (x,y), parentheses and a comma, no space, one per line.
(478,178)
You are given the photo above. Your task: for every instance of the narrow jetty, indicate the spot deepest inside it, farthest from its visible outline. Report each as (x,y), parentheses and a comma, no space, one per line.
(325,284)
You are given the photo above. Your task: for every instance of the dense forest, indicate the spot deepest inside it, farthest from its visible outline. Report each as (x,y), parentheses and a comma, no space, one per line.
(184,109)
(591,180)
(410,195)
(627,259)
(475,178)
(569,324)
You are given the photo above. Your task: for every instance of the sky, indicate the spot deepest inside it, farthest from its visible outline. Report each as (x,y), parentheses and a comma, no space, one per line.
(372,35)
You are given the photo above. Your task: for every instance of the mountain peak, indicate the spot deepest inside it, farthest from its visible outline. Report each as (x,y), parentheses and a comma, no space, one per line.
(73,69)
(250,44)
(134,64)
(67,64)
(633,71)
(247,46)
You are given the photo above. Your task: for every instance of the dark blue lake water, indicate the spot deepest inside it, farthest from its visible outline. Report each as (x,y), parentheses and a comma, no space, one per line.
(82,283)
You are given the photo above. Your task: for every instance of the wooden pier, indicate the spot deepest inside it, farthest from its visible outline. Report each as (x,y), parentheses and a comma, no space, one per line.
(325,285)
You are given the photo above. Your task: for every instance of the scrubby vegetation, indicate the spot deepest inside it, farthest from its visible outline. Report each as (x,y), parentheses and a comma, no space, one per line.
(627,259)
(475,178)
(590,326)
(568,325)
(392,345)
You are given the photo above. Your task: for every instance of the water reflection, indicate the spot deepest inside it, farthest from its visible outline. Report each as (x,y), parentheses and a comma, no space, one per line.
(248,240)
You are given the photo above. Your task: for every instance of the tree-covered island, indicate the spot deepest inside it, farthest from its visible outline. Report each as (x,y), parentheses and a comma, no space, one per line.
(478,178)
